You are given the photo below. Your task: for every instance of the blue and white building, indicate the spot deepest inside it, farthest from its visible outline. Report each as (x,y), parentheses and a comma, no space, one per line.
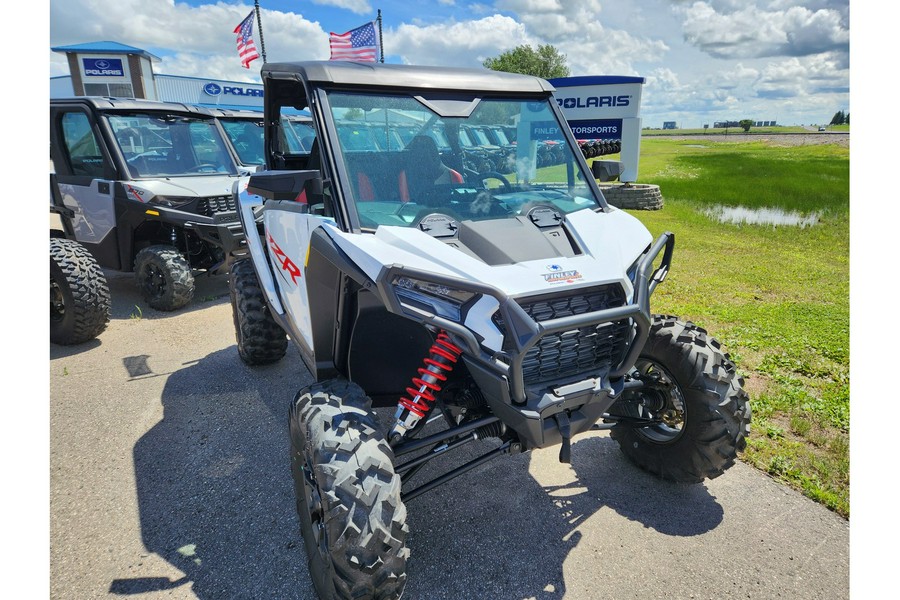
(118,70)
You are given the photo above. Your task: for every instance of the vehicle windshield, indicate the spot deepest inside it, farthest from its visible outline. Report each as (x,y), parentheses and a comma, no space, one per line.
(166,145)
(246,136)
(299,132)
(408,157)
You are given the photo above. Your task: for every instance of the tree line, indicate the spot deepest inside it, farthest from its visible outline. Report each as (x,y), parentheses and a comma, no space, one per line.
(840,118)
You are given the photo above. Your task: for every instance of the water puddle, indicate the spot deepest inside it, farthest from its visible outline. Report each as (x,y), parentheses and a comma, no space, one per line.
(739,215)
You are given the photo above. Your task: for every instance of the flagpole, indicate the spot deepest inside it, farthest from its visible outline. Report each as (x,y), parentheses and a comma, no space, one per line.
(380,38)
(262,43)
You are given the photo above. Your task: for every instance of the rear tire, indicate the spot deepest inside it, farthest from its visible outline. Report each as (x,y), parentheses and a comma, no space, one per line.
(164,277)
(698,396)
(260,340)
(348,496)
(79,294)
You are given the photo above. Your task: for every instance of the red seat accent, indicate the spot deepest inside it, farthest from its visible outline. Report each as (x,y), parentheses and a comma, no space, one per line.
(365,192)
(402,183)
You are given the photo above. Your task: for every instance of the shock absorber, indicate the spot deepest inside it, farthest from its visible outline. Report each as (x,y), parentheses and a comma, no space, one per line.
(442,356)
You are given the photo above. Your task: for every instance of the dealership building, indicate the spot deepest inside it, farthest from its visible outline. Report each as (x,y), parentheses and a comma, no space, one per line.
(117,70)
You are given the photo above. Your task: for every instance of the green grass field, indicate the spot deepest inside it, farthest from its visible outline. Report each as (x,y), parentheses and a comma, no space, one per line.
(776,296)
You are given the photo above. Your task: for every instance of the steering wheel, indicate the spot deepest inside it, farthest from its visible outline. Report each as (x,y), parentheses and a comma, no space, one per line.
(484,176)
(201,167)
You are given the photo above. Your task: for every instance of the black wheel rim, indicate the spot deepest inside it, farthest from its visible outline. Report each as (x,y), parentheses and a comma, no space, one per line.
(57,302)
(660,398)
(314,508)
(154,281)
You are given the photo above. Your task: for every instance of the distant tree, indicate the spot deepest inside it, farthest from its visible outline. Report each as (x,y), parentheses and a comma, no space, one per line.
(847,119)
(354,114)
(745,124)
(838,118)
(545,62)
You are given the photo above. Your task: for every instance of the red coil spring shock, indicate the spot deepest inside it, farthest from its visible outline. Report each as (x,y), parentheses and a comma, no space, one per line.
(442,355)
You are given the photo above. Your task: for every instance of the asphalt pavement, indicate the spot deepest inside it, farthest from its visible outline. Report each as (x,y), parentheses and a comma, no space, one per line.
(169,478)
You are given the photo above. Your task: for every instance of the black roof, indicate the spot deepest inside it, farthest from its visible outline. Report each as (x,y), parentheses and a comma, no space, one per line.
(379,75)
(236,114)
(104,103)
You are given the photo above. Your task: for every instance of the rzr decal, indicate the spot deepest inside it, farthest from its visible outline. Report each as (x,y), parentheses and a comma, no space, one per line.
(135,193)
(287,265)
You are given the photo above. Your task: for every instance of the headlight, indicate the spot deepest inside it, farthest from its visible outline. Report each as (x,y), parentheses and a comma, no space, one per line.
(171,201)
(443,301)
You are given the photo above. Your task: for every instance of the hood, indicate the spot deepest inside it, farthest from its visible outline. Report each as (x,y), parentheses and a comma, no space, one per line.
(516,258)
(195,187)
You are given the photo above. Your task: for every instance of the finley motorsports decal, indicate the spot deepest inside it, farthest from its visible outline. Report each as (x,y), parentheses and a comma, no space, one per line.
(560,276)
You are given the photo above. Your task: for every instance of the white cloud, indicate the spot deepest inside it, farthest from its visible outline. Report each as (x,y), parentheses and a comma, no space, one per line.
(201,38)
(359,7)
(752,32)
(460,43)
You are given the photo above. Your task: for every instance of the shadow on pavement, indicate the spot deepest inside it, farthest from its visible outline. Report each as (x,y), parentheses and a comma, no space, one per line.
(216,500)
(127,302)
(213,484)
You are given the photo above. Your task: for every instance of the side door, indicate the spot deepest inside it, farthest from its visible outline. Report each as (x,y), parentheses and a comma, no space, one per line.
(85,175)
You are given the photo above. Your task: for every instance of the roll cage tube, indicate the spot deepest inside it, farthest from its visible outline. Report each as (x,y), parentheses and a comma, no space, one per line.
(321,112)
(525,331)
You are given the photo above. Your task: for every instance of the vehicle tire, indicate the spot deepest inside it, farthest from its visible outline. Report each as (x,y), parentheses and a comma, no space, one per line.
(348,496)
(699,397)
(164,277)
(260,340)
(79,294)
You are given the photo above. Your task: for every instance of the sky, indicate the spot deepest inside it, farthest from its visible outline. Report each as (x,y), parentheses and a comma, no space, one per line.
(703,61)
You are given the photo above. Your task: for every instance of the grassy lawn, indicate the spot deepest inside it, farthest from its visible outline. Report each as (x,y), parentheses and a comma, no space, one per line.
(777,297)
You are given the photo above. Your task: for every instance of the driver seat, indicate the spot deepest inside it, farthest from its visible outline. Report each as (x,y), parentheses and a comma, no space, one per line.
(424,169)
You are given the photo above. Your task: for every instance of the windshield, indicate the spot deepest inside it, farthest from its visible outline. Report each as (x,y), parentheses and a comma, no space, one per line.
(409,157)
(165,145)
(246,137)
(299,132)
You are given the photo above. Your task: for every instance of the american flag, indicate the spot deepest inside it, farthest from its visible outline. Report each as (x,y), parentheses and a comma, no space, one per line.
(245,45)
(357,44)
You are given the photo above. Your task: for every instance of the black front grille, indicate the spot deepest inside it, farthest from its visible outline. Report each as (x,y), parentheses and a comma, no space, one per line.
(216,204)
(577,351)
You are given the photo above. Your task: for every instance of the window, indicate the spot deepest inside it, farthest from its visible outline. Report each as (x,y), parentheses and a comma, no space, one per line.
(159,144)
(115,90)
(410,156)
(83,151)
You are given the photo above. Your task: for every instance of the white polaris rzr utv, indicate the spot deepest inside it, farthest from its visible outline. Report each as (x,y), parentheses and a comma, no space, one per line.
(516,305)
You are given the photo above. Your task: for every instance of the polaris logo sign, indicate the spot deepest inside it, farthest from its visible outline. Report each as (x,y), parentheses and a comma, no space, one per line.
(214,89)
(103,67)
(619,101)
(594,101)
